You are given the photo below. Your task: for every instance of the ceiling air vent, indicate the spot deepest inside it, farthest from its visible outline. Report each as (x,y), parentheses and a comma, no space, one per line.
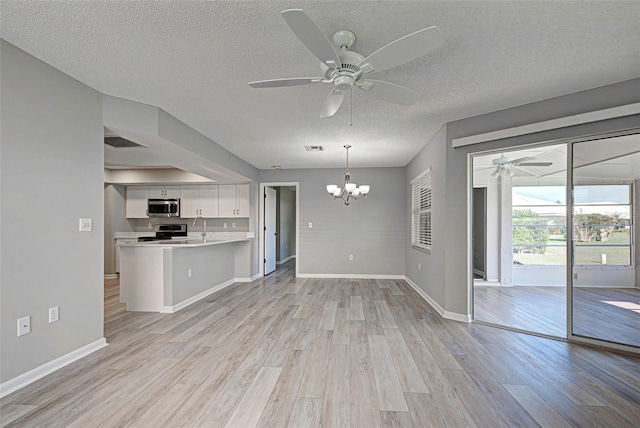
(314,148)
(119,142)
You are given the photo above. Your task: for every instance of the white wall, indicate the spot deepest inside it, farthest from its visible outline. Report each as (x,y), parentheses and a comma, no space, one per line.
(372,228)
(52,174)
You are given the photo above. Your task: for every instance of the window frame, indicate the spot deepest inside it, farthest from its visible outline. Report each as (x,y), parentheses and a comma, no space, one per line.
(422,212)
(632,226)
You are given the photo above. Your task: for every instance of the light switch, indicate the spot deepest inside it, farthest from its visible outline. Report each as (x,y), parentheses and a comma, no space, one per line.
(310,225)
(85,225)
(24,325)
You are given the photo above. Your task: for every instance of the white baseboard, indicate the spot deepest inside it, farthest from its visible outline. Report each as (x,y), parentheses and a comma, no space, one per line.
(253,278)
(31,376)
(200,296)
(348,276)
(439,309)
(285,260)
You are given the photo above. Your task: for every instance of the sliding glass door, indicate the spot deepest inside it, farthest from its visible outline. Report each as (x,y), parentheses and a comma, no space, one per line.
(523,210)
(605,290)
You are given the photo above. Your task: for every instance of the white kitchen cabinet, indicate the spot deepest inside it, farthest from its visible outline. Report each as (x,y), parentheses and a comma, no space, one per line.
(136,202)
(199,200)
(233,200)
(164,192)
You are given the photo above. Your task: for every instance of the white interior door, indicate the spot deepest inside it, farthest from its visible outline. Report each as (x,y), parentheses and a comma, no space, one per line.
(269,230)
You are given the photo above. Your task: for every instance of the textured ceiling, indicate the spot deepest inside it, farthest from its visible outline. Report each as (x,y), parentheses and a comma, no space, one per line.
(194,59)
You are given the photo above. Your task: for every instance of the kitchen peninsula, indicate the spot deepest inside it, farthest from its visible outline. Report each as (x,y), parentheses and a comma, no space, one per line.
(166,276)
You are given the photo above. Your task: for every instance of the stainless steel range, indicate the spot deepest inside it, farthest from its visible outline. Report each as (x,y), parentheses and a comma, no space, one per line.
(165,232)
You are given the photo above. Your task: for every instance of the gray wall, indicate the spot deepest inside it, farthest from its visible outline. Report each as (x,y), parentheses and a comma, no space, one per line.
(286,226)
(372,228)
(51,167)
(427,270)
(449,286)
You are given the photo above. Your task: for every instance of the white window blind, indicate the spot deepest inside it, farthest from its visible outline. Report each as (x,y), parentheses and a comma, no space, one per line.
(421,211)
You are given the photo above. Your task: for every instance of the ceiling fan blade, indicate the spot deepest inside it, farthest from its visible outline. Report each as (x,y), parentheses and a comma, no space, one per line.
(391,92)
(535,164)
(278,83)
(311,36)
(524,159)
(332,103)
(403,50)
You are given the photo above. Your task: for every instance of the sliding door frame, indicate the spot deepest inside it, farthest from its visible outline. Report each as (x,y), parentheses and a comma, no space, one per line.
(581,134)
(571,247)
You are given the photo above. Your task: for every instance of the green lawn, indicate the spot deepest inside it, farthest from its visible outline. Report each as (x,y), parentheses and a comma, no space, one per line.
(584,254)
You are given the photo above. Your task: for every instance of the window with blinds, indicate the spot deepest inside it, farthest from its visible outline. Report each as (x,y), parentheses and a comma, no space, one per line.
(421,211)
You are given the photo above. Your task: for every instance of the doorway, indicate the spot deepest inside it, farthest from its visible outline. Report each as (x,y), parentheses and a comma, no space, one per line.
(270,234)
(279,225)
(479,232)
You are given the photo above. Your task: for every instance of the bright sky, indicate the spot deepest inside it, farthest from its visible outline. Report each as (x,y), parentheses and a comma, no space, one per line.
(617,194)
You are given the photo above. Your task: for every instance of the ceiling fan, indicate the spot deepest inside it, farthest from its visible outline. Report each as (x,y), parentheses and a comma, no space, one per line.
(345,69)
(504,166)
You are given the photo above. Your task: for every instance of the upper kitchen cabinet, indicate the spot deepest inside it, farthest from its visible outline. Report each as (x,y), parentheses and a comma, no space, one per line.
(233,200)
(199,200)
(164,192)
(136,202)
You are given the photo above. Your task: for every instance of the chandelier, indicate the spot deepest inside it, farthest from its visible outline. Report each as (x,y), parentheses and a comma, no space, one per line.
(350,190)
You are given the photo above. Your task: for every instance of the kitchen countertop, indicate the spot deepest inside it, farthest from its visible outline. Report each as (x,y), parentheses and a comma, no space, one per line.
(183,242)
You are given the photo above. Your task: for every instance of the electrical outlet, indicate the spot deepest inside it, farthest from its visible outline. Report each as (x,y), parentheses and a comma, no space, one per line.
(233,225)
(350,256)
(189,273)
(149,225)
(310,225)
(225,225)
(54,314)
(24,325)
(419,266)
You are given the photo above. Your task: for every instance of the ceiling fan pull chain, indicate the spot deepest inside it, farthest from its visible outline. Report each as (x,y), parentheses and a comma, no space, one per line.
(351,108)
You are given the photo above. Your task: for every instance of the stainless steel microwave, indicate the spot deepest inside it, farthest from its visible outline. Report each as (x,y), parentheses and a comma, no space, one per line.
(163,208)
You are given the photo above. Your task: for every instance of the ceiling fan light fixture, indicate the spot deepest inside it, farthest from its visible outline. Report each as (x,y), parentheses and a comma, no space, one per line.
(345,68)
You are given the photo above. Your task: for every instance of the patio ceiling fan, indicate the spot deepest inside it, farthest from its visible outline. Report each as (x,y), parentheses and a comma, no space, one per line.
(505,167)
(344,69)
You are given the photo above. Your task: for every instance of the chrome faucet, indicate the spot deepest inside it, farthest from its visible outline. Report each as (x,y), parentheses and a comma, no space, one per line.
(204,227)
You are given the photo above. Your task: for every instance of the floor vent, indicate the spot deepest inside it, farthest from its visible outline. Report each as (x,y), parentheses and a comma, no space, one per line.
(119,142)
(314,148)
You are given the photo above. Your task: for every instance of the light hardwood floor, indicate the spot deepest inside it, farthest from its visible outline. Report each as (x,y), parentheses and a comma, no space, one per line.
(604,313)
(285,351)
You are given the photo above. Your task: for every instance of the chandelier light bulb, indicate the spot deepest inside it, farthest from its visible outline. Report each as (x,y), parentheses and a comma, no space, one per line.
(331,188)
(356,191)
(337,192)
(364,189)
(350,187)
